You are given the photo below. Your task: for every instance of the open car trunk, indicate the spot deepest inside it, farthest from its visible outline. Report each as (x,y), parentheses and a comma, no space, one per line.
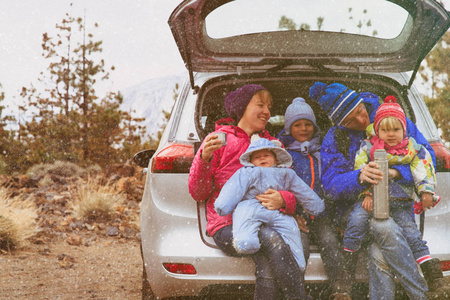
(284,89)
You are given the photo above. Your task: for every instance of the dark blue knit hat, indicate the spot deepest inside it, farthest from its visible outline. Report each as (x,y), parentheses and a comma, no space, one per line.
(236,101)
(336,99)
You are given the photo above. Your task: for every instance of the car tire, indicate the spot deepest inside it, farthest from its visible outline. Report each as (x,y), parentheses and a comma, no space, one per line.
(147,293)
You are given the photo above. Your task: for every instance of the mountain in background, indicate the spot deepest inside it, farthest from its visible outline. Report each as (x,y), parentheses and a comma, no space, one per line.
(149,98)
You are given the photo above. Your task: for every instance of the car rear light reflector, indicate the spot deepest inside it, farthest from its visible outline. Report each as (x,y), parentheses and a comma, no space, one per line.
(445,265)
(180,268)
(175,158)
(442,157)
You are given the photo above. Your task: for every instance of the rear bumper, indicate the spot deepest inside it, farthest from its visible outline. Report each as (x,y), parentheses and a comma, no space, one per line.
(170,234)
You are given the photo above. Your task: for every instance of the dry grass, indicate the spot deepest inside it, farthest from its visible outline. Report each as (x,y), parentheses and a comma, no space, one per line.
(46,181)
(96,201)
(17,221)
(59,168)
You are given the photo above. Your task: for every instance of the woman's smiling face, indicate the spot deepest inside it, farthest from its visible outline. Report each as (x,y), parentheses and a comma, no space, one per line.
(257,114)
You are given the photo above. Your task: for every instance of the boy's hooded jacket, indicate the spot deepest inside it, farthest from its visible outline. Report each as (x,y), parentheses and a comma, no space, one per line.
(250,181)
(206,179)
(339,178)
(305,163)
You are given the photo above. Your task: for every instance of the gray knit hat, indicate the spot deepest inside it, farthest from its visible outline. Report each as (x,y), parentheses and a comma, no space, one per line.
(298,110)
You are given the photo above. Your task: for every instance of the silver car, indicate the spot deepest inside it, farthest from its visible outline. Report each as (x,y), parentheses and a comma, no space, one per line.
(374,46)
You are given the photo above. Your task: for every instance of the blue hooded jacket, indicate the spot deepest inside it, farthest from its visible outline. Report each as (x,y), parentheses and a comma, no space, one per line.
(250,181)
(306,167)
(339,179)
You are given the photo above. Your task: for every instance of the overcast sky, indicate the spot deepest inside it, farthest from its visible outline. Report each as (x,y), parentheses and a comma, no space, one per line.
(136,39)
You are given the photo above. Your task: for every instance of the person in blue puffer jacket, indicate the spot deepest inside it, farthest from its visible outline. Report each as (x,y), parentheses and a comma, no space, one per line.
(265,166)
(389,253)
(302,139)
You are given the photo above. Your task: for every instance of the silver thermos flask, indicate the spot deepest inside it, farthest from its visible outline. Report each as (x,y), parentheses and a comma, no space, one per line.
(381,190)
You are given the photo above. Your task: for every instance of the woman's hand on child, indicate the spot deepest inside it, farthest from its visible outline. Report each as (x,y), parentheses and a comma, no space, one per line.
(367,204)
(370,174)
(212,143)
(271,199)
(427,201)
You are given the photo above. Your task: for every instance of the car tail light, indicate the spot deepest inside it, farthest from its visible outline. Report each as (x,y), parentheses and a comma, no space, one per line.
(175,158)
(445,265)
(442,157)
(180,268)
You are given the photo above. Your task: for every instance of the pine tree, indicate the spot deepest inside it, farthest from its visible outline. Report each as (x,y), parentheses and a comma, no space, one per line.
(70,122)
(437,73)
(11,159)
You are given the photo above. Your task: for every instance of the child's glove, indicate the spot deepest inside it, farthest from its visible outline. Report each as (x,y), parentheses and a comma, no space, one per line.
(418,209)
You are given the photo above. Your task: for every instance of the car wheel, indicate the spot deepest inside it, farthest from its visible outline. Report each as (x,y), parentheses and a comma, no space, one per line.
(147,293)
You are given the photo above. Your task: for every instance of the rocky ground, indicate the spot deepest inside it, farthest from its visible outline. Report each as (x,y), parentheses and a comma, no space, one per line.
(74,259)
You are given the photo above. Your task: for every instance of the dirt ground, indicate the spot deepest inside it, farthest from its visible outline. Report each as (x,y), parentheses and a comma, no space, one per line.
(70,258)
(109,268)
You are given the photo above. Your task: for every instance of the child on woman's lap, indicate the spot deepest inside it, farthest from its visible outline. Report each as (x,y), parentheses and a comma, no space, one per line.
(265,166)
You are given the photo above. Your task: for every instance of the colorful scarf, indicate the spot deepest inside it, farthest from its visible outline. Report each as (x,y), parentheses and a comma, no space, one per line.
(399,149)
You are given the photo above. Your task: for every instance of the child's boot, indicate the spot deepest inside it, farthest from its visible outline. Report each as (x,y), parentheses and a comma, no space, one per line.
(432,272)
(344,282)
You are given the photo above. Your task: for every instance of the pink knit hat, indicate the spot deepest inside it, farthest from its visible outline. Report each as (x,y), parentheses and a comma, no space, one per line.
(390,108)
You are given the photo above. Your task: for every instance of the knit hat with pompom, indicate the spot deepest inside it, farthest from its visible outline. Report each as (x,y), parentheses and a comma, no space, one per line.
(335,99)
(390,108)
(298,110)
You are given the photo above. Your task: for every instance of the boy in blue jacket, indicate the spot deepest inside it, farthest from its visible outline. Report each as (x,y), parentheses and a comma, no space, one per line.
(302,140)
(265,166)
(389,253)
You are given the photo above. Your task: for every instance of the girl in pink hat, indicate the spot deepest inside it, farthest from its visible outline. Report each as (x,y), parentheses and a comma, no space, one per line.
(388,132)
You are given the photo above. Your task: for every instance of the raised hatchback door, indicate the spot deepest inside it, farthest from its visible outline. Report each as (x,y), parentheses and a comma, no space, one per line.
(362,35)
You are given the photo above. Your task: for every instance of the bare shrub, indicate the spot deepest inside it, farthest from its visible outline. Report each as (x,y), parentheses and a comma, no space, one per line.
(136,221)
(93,169)
(96,201)
(46,181)
(58,168)
(17,221)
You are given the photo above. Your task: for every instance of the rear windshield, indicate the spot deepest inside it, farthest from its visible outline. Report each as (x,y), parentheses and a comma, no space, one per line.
(378,18)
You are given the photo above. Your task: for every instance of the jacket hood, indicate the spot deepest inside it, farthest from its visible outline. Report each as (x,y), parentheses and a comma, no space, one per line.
(284,159)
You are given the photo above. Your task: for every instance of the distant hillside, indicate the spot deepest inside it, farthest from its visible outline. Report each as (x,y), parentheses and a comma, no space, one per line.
(150,98)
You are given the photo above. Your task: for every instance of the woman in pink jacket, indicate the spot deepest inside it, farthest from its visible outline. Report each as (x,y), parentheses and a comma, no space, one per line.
(214,163)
